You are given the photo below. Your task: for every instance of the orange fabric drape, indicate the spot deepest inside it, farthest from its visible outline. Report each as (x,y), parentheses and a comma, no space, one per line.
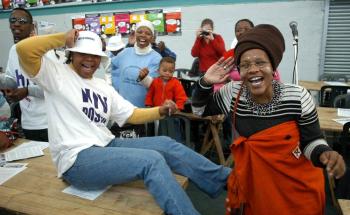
(270,178)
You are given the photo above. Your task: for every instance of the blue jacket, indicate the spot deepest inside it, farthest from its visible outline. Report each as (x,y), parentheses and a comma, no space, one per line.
(125,71)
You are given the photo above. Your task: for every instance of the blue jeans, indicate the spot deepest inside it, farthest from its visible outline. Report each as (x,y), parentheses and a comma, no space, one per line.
(151,159)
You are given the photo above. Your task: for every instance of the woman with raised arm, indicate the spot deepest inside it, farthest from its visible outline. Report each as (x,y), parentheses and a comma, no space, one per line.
(279,149)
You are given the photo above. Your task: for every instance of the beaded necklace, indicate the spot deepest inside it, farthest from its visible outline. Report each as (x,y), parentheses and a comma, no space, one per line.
(264,109)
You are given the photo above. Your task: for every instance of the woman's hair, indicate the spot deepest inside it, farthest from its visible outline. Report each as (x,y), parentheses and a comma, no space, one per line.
(69,58)
(208,21)
(244,20)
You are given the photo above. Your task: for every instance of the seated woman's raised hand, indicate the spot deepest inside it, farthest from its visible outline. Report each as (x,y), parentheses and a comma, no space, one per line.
(219,71)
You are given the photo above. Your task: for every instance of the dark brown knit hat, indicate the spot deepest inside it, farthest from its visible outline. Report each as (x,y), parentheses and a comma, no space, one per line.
(265,37)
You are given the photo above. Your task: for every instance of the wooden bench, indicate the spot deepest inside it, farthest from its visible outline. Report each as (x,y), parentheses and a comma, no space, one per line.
(37,190)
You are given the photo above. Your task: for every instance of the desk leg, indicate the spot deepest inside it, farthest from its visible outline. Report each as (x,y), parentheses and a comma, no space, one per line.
(206,142)
(217,142)
(214,141)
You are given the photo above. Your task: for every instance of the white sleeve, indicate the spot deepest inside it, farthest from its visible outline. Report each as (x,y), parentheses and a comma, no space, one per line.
(121,109)
(147,81)
(49,75)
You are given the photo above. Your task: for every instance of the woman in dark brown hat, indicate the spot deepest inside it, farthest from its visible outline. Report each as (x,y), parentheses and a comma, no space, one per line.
(279,149)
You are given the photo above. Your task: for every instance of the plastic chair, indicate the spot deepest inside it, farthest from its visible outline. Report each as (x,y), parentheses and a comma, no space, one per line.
(329,92)
(344,140)
(334,77)
(169,127)
(342,101)
(194,71)
(180,72)
(188,86)
(343,147)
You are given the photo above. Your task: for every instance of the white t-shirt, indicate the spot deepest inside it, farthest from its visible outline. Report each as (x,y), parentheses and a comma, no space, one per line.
(33,108)
(78,111)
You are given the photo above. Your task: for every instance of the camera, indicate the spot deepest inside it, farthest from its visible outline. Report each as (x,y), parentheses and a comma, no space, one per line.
(204,33)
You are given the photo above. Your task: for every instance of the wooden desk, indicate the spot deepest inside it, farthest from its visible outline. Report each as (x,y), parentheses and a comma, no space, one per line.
(313,85)
(326,116)
(345,206)
(211,137)
(37,190)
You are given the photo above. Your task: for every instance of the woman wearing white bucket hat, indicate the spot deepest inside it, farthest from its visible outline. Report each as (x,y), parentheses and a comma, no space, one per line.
(85,152)
(115,45)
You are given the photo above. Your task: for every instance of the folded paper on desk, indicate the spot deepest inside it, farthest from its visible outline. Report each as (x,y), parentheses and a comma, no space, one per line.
(336,83)
(342,120)
(9,170)
(85,194)
(19,153)
(28,149)
(344,112)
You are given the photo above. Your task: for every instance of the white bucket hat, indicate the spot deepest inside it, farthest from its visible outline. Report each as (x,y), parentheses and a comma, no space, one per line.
(88,42)
(115,43)
(145,23)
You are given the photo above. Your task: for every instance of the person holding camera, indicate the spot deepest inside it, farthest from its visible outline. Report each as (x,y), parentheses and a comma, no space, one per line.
(208,47)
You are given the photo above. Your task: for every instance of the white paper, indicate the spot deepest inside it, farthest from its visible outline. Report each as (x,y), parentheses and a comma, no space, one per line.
(23,153)
(342,120)
(8,172)
(344,112)
(32,143)
(85,194)
(14,165)
(336,83)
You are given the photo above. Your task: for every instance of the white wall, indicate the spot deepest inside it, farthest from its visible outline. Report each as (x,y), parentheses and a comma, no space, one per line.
(308,14)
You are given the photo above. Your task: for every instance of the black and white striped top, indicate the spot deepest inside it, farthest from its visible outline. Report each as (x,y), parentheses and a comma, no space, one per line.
(295,104)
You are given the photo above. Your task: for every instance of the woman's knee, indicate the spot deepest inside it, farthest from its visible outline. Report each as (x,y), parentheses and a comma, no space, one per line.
(154,157)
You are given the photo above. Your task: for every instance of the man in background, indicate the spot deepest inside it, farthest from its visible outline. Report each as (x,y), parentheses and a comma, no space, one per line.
(29,95)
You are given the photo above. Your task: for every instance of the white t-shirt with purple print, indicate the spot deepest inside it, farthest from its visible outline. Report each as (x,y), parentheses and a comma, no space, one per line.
(78,111)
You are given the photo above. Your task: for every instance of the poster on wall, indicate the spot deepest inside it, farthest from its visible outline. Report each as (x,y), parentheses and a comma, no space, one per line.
(122,23)
(135,17)
(107,24)
(79,23)
(19,3)
(6,4)
(173,21)
(92,23)
(165,21)
(157,18)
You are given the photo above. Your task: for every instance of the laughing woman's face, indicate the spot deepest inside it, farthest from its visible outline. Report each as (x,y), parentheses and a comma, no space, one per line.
(85,64)
(143,37)
(257,74)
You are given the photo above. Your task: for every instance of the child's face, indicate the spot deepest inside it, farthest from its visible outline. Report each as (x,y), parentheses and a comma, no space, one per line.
(166,70)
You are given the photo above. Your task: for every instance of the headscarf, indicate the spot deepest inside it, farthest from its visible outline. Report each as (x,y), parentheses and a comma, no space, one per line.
(265,37)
